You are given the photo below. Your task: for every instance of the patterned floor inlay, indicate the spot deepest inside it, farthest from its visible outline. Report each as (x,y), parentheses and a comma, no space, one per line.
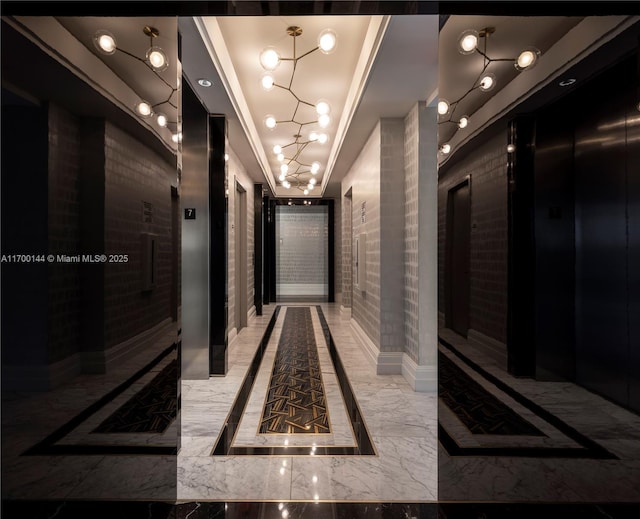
(475,422)
(478,409)
(295,401)
(224,444)
(151,409)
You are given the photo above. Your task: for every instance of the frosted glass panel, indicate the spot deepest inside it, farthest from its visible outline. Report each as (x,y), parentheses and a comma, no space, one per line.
(302,250)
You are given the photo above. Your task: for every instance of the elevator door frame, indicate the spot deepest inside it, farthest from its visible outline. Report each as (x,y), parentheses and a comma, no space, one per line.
(451,309)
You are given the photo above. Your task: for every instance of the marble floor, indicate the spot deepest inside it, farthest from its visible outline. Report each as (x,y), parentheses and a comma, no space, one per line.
(402,425)
(96,466)
(578,418)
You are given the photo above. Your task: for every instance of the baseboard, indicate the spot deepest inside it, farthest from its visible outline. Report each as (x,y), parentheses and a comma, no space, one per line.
(345,313)
(231,336)
(103,361)
(423,379)
(385,362)
(370,349)
(251,313)
(494,349)
(40,378)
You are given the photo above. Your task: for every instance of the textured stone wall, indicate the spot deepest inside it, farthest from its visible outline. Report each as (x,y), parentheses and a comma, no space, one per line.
(363,179)
(134,174)
(337,249)
(411,169)
(487,167)
(391,234)
(346,264)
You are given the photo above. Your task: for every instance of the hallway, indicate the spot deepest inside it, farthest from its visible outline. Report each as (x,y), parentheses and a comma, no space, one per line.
(400,423)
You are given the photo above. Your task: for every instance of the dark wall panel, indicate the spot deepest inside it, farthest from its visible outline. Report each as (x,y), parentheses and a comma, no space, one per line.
(633,189)
(601,240)
(554,242)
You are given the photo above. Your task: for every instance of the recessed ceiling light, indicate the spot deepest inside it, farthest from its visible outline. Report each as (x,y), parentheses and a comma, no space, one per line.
(567,82)
(204,82)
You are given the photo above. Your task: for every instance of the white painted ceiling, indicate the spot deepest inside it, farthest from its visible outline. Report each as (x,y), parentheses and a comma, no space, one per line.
(381,67)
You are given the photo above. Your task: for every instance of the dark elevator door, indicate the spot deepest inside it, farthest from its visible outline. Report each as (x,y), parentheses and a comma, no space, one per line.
(460,216)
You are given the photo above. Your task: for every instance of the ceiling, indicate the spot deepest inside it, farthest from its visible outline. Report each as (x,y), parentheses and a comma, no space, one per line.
(511,36)
(87,82)
(381,67)
(571,48)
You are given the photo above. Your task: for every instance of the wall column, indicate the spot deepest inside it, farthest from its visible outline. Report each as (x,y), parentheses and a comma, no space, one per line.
(427,371)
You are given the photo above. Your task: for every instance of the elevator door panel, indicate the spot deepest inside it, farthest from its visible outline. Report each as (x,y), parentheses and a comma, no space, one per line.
(633,179)
(460,239)
(601,258)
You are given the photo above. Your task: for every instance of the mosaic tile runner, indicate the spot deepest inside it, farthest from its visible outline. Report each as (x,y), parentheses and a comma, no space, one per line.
(478,409)
(150,410)
(295,401)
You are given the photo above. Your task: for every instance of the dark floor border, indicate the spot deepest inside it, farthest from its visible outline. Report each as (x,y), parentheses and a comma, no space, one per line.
(223,446)
(591,449)
(34,509)
(48,447)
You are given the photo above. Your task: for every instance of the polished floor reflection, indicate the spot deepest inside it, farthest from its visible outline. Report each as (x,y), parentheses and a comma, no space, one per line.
(400,422)
(53,446)
(517,439)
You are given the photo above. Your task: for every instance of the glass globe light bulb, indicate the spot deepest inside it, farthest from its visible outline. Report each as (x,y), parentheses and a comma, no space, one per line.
(327,41)
(269,58)
(157,59)
(270,122)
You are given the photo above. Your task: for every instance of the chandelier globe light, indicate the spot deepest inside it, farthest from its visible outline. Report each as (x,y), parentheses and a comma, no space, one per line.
(472,42)
(105,42)
(156,60)
(488,82)
(267,82)
(327,41)
(294,170)
(468,42)
(527,59)
(443,107)
(269,58)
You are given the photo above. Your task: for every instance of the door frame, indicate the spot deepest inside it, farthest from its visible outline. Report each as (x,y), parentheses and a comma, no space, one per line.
(448,269)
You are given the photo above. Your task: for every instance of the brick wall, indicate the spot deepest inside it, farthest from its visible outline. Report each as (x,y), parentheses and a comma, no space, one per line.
(487,166)
(346,253)
(64,233)
(411,169)
(364,180)
(337,249)
(391,234)
(134,174)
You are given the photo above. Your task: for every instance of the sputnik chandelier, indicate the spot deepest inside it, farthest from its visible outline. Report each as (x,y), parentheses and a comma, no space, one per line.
(468,43)
(294,171)
(156,60)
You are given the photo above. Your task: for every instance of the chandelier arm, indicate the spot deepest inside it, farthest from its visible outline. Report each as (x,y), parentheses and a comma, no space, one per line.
(300,150)
(295,111)
(129,54)
(307,53)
